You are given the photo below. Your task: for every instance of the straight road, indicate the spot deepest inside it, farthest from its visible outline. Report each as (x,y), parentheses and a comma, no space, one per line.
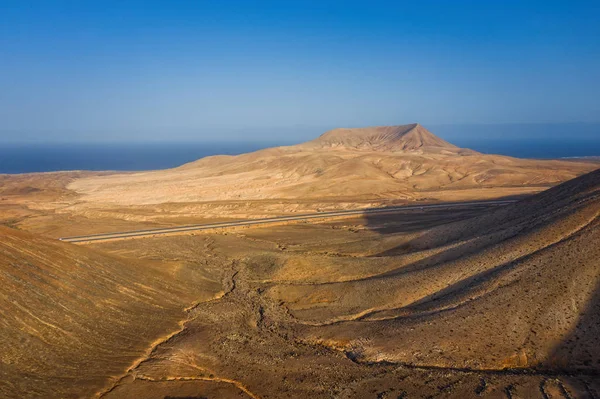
(250,222)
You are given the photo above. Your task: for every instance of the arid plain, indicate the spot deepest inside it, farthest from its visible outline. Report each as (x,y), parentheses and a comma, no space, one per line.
(498,301)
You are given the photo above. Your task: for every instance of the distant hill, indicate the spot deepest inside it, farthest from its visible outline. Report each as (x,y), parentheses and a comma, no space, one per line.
(366,164)
(382,138)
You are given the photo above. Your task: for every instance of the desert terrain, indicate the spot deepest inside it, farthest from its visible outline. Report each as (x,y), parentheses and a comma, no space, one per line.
(477,301)
(341,169)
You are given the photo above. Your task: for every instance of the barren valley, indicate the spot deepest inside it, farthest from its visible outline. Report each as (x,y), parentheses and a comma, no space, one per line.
(495,301)
(342,169)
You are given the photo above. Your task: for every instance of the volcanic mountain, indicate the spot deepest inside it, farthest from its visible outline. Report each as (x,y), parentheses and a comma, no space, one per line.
(411,137)
(342,168)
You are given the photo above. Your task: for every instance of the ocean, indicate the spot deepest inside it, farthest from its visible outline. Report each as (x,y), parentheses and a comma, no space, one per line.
(526,140)
(25,158)
(534,148)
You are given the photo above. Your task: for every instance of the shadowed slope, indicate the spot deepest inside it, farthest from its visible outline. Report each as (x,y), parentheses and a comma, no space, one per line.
(73,319)
(581,345)
(500,290)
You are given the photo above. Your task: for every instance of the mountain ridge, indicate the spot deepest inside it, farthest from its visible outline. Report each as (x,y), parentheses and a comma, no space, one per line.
(410,137)
(404,162)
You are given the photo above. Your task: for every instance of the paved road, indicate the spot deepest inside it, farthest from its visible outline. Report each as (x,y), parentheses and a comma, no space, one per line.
(249,222)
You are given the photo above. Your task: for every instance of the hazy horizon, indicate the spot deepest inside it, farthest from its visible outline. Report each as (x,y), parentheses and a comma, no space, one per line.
(298,134)
(518,140)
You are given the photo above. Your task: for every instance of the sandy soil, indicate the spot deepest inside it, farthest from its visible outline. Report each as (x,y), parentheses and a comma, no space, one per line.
(492,303)
(498,302)
(342,169)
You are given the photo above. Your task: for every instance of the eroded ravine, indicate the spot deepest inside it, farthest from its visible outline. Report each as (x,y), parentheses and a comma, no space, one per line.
(271,320)
(229,286)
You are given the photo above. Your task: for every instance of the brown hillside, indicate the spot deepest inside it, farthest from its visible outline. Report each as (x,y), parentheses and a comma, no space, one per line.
(382,138)
(367,165)
(457,303)
(73,320)
(518,287)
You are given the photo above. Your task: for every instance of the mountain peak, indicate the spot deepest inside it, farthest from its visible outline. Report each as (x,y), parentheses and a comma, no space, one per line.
(409,137)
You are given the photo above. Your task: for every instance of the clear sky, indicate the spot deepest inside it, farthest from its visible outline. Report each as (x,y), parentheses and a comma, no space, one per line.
(207,70)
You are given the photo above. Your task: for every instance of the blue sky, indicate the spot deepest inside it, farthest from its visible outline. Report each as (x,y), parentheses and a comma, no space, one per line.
(206,70)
